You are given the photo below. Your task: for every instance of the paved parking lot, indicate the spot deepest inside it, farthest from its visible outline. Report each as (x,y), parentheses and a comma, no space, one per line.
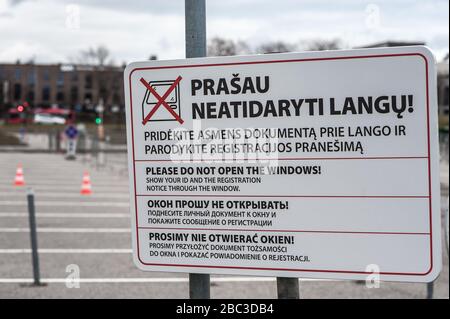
(93,232)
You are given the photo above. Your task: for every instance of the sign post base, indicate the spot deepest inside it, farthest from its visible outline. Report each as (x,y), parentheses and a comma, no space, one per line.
(288,288)
(199,286)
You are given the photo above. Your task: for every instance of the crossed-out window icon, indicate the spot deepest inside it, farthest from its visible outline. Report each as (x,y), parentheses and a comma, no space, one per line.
(161,93)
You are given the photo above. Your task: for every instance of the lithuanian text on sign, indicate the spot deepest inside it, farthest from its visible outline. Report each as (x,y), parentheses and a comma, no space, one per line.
(320,165)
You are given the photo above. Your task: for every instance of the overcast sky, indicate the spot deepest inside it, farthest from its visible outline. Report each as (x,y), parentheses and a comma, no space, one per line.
(56,30)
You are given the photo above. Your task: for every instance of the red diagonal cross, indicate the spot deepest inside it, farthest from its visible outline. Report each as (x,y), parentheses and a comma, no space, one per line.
(161,100)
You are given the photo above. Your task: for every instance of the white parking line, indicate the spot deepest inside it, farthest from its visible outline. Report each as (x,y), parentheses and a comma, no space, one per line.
(67,251)
(67,215)
(66,230)
(146,280)
(65,204)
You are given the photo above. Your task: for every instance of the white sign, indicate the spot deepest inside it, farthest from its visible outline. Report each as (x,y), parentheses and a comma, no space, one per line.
(313,165)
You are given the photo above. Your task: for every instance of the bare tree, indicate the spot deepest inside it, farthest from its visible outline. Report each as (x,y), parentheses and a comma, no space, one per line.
(243,48)
(101,54)
(94,56)
(276,47)
(322,45)
(221,47)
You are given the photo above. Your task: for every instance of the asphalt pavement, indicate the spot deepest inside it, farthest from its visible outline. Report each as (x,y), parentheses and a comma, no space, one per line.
(92,234)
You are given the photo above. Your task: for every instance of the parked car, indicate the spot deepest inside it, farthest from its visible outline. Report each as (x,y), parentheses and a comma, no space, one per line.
(53,116)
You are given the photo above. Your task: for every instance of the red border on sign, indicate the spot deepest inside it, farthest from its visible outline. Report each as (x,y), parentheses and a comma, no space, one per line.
(287,61)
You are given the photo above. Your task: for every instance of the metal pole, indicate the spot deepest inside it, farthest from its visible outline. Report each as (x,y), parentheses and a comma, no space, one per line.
(195,28)
(195,20)
(288,288)
(50,141)
(58,141)
(33,236)
(199,286)
(430,290)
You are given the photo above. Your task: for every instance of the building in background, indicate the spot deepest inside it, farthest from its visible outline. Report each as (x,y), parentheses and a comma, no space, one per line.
(82,88)
(76,87)
(443,88)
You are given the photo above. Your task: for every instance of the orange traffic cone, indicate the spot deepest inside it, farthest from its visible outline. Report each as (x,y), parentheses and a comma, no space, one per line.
(19,180)
(86,185)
